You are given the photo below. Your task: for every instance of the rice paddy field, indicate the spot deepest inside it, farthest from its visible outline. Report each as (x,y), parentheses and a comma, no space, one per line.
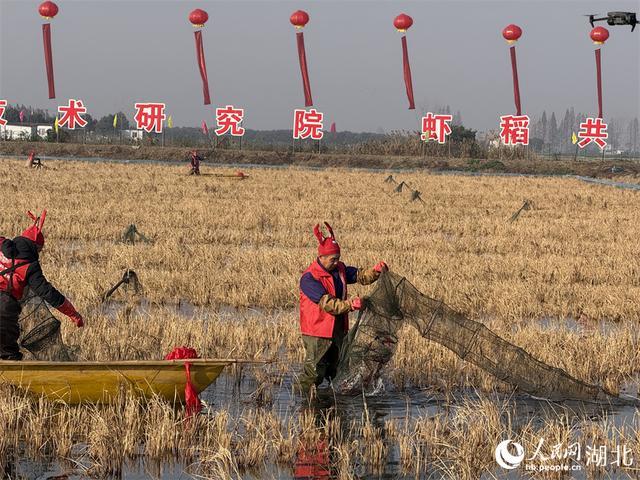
(221,274)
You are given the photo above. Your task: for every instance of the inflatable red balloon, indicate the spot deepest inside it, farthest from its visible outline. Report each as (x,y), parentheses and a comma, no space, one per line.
(599,35)
(512,33)
(48,10)
(299,19)
(198,18)
(402,23)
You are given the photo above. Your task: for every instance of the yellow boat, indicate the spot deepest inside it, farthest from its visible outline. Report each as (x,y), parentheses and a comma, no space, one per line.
(101,382)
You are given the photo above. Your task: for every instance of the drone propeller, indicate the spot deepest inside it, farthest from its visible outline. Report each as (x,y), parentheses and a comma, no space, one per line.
(592,18)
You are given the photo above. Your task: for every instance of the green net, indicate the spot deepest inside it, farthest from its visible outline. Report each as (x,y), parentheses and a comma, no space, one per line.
(395,302)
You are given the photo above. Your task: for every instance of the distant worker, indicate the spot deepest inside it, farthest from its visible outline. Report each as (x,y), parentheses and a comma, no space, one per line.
(324,308)
(33,161)
(19,269)
(195,163)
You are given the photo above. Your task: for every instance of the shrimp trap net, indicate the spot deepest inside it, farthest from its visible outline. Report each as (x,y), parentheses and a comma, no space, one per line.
(40,330)
(395,302)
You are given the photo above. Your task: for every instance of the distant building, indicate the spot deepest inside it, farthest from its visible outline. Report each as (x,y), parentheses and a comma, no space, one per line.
(42,130)
(610,150)
(489,138)
(16,132)
(132,134)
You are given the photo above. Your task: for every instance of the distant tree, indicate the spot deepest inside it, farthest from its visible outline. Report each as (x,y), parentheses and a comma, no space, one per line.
(457,118)
(543,132)
(553,130)
(536,144)
(62,136)
(91,123)
(633,135)
(564,132)
(460,133)
(105,124)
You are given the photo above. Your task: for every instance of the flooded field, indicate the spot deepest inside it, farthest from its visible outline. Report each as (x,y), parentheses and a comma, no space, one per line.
(406,432)
(221,274)
(392,416)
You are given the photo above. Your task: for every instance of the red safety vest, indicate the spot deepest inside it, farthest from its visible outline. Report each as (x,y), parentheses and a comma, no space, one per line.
(314,321)
(13,282)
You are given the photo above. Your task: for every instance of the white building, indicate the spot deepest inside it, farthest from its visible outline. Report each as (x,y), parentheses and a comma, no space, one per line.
(42,130)
(132,134)
(15,132)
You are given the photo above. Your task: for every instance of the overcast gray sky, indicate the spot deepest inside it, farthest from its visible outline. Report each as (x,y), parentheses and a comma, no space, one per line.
(113,53)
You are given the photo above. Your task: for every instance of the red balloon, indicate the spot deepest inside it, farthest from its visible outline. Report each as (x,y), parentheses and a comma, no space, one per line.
(402,22)
(599,35)
(48,10)
(198,17)
(299,18)
(512,33)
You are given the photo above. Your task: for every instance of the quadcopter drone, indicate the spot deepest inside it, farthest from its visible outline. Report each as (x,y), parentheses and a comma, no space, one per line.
(616,18)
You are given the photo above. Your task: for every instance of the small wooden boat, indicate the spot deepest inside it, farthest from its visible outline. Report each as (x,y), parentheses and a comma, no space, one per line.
(101,382)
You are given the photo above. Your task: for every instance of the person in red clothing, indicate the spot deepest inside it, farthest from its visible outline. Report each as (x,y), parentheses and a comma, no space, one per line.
(325,307)
(195,163)
(19,269)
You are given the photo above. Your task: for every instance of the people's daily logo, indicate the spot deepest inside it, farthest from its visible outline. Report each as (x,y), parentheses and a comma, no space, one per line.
(505,458)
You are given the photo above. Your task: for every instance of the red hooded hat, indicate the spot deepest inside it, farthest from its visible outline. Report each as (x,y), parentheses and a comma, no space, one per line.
(326,245)
(34,232)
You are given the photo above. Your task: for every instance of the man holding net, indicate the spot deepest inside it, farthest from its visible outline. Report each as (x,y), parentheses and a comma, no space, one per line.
(324,308)
(20,268)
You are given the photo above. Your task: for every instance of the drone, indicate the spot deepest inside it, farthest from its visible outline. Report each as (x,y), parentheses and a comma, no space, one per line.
(616,18)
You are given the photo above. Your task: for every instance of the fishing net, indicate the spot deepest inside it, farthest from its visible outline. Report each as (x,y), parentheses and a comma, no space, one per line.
(131,234)
(41,331)
(128,283)
(395,302)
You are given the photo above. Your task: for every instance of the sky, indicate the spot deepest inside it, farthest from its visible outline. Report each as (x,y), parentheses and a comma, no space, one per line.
(114,53)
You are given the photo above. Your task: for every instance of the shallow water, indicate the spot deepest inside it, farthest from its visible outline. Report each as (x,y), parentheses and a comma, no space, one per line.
(235,391)
(235,396)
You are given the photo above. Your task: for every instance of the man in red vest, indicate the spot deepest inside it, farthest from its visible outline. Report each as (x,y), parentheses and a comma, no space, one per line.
(324,308)
(20,268)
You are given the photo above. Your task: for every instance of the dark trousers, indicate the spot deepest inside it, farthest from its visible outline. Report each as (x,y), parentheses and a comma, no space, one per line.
(322,356)
(10,310)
